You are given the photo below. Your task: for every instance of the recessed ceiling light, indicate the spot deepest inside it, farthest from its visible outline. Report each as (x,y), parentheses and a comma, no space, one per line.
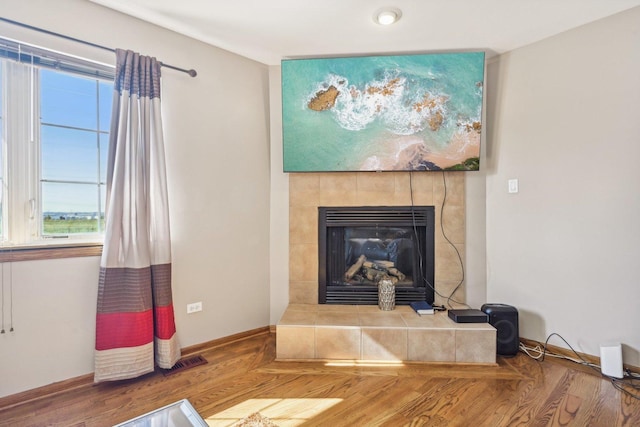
(387,15)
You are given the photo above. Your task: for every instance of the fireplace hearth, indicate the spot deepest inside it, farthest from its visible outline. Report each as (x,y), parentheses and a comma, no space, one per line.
(358,246)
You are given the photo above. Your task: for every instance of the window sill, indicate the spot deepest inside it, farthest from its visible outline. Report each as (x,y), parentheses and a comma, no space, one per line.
(34,253)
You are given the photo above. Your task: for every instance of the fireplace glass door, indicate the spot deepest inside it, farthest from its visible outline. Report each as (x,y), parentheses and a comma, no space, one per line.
(358,246)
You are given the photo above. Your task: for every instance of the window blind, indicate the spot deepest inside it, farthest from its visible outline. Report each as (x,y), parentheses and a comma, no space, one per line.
(45,58)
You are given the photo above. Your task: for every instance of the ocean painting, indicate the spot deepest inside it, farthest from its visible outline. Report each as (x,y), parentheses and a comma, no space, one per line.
(383,113)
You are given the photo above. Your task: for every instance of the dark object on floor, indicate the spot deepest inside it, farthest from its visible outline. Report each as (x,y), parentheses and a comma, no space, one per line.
(184,364)
(504,318)
(468,315)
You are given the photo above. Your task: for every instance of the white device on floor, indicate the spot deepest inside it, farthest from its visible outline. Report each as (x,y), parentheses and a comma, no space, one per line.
(611,360)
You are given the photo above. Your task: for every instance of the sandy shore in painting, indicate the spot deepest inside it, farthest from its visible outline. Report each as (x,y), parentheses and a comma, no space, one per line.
(410,153)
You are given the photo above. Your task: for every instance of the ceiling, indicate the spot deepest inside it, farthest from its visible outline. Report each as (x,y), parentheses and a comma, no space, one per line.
(270,30)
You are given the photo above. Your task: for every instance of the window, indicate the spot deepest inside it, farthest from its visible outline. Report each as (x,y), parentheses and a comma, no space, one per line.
(55,121)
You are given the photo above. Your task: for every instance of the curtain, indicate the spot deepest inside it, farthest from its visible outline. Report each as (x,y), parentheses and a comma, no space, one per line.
(135,326)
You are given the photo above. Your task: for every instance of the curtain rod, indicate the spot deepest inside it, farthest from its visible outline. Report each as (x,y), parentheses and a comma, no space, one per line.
(191,72)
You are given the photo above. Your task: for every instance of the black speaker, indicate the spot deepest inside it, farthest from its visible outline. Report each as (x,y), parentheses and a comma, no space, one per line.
(505,319)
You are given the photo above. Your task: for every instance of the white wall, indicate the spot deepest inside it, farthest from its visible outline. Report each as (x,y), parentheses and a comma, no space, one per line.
(563,119)
(279,234)
(217,147)
(475,232)
(54,311)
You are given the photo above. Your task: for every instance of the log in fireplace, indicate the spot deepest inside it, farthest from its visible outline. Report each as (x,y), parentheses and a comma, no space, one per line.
(357,246)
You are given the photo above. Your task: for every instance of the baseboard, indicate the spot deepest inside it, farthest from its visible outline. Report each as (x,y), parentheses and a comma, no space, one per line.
(83,381)
(569,353)
(225,340)
(46,391)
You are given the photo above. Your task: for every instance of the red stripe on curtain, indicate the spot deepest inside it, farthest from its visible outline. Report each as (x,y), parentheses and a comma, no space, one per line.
(115,330)
(165,323)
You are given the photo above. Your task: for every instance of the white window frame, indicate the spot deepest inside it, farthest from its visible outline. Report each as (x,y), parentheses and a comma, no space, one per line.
(22,220)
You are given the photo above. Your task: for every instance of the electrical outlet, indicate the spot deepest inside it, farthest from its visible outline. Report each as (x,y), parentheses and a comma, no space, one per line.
(194,307)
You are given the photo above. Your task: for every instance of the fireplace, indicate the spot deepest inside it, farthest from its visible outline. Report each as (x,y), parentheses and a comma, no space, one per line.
(357,246)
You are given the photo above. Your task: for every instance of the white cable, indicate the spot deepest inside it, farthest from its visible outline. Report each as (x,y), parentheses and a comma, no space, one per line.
(538,349)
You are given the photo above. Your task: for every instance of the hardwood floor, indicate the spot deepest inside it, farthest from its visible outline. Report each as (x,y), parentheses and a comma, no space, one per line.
(242,377)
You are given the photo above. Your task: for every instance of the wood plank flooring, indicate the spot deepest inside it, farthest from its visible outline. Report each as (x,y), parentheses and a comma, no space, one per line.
(243,377)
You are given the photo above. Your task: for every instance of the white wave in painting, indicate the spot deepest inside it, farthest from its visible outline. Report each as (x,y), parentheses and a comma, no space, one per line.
(395,101)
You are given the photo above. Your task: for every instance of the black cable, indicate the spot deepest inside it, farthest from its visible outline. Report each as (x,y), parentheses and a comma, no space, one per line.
(618,384)
(544,349)
(632,375)
(415,231)
(444,200)
(615,382)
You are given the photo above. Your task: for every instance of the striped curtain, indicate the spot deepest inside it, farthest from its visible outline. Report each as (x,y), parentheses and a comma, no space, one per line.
(135,327)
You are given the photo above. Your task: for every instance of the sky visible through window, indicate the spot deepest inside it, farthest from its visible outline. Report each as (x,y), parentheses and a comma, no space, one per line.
(75,116)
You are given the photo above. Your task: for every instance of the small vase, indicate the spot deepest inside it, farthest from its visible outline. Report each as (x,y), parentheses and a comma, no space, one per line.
(386,295)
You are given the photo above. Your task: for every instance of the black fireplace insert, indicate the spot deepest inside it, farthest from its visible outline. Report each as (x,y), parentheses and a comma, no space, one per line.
(358,246)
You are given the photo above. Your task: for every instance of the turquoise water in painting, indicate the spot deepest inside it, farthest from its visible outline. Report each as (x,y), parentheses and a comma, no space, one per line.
(380,99)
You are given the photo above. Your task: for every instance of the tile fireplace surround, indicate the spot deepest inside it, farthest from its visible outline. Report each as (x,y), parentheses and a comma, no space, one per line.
(308,330)
(308,191)
(366,333)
